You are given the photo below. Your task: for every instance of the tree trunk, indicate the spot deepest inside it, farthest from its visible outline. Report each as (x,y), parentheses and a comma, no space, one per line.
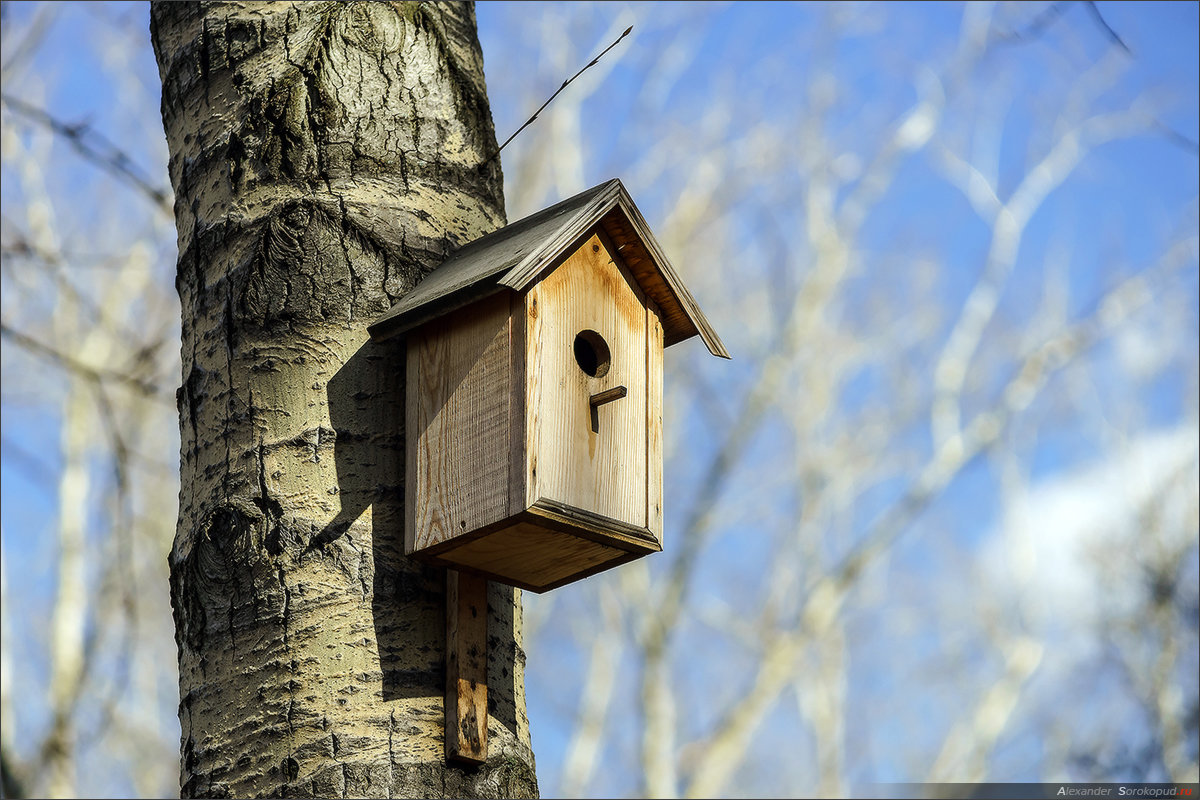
(325,156)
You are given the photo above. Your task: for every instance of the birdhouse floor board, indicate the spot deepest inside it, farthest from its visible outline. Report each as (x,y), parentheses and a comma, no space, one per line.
(531,556)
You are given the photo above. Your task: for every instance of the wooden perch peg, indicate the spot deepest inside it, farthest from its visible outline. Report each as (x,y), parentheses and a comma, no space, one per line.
(466,668)
(600,398)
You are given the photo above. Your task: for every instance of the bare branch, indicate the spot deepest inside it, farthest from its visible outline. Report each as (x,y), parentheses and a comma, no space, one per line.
(1112,35)
(95,148)
(963,757)
(1037,26)
(1008,228)
(72,364)
(29,43)
(12,778)
(1176,138)
(823,602)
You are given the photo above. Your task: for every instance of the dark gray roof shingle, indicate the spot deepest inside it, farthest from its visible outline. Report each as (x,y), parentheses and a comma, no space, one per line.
(513,256)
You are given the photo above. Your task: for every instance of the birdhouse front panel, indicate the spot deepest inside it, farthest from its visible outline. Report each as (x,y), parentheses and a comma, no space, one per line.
(589,357)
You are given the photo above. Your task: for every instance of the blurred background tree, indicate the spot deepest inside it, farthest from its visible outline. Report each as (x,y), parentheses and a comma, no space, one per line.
(937,521)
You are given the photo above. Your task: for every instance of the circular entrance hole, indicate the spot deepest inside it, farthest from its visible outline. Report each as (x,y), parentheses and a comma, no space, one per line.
(592,354)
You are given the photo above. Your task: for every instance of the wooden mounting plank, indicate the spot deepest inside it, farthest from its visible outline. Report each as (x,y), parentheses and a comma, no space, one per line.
(466,667)
(578,463)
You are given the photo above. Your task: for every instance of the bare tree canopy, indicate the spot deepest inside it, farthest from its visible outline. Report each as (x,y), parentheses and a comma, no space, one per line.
(936,521)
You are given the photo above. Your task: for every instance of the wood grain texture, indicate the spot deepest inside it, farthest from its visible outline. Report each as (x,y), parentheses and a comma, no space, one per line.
(519,453)
(607,396)
(466,667)
(460,379)
(590,525)
(640,262)
(533,389)
(559,517)
(602,472)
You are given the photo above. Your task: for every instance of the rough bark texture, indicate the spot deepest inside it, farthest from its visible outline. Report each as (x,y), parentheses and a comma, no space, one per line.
(324,157)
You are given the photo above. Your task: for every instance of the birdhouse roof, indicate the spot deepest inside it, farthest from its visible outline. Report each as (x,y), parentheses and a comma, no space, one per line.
(516,255)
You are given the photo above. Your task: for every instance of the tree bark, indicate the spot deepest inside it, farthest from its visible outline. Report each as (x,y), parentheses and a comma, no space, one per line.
(324,156)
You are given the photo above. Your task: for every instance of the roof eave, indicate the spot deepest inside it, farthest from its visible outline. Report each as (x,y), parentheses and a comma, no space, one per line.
(688,303)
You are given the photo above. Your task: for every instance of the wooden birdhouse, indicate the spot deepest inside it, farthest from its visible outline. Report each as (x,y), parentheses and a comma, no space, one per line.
(534,394)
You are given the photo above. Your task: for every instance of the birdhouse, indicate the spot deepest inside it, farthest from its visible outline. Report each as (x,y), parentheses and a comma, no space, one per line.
(534,394)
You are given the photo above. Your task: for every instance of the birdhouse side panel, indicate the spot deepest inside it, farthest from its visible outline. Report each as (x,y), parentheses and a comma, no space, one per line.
(460,423)
(586,424)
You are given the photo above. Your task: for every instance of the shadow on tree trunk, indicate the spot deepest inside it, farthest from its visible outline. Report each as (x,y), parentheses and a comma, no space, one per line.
(369,390)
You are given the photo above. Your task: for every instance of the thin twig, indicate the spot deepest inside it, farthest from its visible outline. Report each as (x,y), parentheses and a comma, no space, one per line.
(94,147)
(1038,26)
(1053,13)
(565,84)
(1096,15)
(1176,138)
(56,267)
(32,39)
(1049,16)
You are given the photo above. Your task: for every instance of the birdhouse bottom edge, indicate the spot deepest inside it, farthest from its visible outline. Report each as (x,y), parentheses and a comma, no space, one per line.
(548,545)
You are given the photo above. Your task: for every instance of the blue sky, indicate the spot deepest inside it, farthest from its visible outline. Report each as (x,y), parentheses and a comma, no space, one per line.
(1112,217)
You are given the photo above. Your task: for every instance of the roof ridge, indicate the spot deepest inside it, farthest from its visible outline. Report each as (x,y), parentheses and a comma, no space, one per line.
(513,256)
(523,273)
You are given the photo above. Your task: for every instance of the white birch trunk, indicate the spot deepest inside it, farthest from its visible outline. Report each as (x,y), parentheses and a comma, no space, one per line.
(324,157)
